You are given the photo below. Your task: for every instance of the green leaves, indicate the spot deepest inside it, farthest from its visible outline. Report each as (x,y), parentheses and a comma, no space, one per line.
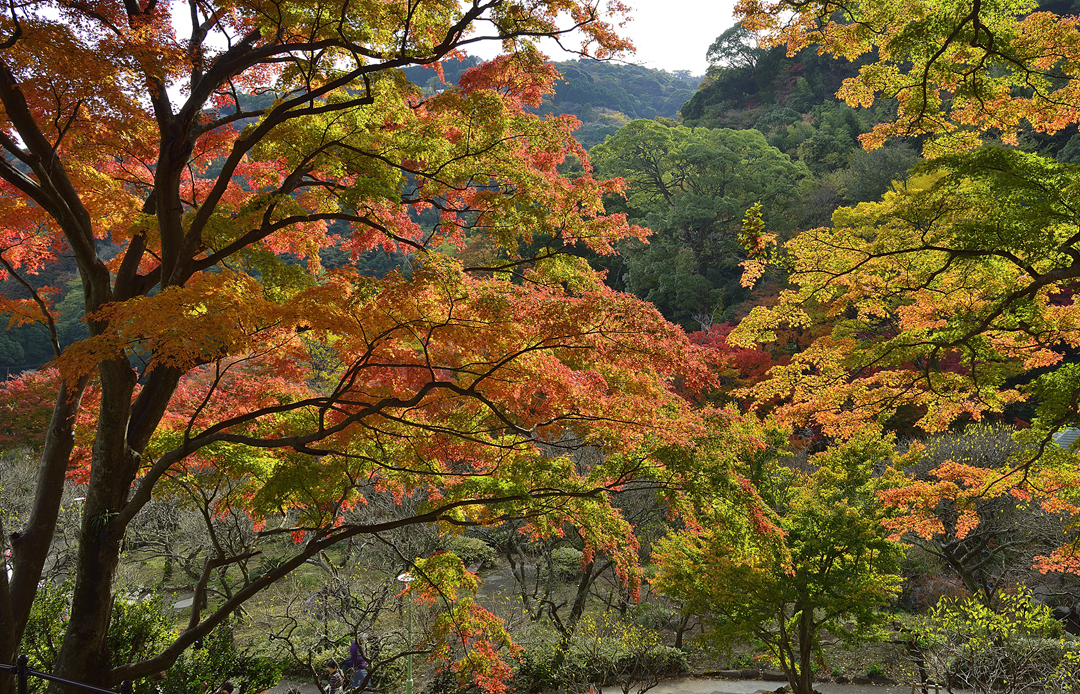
(957,69)
(828,569)
(1014,645)
(692,188)
(940,293)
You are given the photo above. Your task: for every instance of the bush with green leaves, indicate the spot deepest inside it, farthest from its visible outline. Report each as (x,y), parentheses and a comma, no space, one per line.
(446,682)
(218,659)
(1066,678)
(602,652)
(566,563)
(138,629)
(471,550)
(608,652)
(45,630)
(537,669)
(653,615)
(387,675)
(1016,647)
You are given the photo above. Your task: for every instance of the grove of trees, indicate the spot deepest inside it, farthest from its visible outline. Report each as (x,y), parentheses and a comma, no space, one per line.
(327,301)
(217,372)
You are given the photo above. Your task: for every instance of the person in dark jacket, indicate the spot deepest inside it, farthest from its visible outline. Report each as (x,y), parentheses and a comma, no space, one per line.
(359,665)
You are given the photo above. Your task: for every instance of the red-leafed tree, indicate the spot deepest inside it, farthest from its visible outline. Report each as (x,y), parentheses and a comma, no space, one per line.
(195,163)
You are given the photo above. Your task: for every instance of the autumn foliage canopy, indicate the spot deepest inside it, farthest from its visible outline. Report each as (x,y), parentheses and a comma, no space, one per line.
(197,159)
(953,298)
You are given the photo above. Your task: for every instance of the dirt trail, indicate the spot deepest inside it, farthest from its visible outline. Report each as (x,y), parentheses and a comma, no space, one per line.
(695,685)
(700,685)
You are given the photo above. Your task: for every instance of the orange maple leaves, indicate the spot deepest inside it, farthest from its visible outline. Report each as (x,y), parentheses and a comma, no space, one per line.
(956,69)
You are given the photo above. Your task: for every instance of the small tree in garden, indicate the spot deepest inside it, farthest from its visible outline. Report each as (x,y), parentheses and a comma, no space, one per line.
(306,625)
(826,565)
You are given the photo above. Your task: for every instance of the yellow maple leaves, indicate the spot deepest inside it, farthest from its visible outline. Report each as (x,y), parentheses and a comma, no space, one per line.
(956,69)
(933,297)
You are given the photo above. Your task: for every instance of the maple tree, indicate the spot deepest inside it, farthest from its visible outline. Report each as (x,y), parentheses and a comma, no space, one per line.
(819,562)
(196,171)
(954,296)
(956,68)
(945,298)
(959,503)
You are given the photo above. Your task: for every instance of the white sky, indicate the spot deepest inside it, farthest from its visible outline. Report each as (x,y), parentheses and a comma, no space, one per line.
(669,34)
(674,34)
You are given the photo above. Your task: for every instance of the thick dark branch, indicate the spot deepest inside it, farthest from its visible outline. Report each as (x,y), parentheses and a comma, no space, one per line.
(227,119)
(14,149)
(24,183)
(57,195)
(10,41)
(323,540)
(200,587)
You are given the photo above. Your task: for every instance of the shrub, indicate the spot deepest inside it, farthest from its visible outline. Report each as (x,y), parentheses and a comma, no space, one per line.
(387,675)
(471,551)
(1013,649)
(605,653)
(620,654)
(537,672)
(137,630)
(1066,677)
(743,661)
(652,615)
(566,562)
(202,670)
(446,682)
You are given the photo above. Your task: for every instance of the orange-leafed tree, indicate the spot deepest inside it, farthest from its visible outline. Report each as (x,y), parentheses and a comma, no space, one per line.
(950,300)
(954,296)
(957,69)
(963,504)
(195,158)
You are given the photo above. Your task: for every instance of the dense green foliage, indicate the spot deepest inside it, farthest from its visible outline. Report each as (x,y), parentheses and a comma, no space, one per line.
(471,550)
(828,568)
(745,82)
(1015,647)
(692,188)
(604,651)
(219,659)
(138,629)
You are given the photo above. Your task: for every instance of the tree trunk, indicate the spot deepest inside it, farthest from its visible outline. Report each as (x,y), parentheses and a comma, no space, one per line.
(30,546)
(806,652)
(84,656)
(681,629)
